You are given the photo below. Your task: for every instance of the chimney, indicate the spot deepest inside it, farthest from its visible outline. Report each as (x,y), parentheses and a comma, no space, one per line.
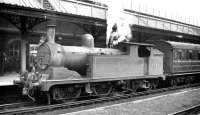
(51,31)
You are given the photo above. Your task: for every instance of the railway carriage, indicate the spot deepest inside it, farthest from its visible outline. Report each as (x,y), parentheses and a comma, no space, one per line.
(180,57)
(181,60)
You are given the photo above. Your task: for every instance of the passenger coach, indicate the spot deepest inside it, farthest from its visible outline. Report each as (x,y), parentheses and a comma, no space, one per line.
(180,59)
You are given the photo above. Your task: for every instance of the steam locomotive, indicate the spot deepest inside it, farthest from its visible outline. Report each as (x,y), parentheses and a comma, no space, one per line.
(66,72)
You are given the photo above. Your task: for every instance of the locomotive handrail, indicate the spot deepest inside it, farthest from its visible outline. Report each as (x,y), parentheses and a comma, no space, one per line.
(135,43)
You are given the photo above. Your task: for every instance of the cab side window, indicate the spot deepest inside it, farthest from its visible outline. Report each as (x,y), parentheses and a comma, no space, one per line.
(143,51)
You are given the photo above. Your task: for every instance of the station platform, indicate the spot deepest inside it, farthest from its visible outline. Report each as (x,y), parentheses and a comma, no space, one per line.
(158,105)
(7,79)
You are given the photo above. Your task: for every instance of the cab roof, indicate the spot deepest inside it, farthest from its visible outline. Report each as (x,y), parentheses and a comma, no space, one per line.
(139,44)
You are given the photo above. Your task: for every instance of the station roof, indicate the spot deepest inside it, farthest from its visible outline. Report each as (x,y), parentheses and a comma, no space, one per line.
(34,8)
(24,3)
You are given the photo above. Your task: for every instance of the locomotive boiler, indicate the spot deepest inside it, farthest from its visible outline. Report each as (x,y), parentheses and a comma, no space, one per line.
(71,57)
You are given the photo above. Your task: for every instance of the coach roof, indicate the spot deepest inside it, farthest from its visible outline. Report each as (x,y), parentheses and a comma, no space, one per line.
(181,45)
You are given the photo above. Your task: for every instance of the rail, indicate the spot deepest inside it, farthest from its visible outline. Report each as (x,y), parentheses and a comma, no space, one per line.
(188,111)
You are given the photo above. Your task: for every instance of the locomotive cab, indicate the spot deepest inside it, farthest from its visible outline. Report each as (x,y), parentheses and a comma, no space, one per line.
(140,60)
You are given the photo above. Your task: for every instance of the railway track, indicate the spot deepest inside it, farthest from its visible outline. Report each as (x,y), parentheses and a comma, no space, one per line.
(14,105)
(46,108)
(194,110)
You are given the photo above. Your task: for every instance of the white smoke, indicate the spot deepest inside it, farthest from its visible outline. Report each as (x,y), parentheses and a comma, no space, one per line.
(115,15)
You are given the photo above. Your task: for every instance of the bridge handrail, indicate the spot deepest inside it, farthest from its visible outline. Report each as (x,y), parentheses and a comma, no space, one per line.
(179,25)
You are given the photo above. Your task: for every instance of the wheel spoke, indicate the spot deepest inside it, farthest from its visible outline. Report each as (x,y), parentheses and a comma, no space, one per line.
(102,89)
(65,93)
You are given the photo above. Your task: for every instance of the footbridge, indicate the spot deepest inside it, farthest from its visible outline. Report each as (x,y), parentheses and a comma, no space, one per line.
(96,13)
(96,10)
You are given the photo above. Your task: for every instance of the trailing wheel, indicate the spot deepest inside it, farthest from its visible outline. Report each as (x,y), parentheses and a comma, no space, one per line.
(173,82)
(102,89)
(65,93)
(154,84)
(135,86)
(187,80)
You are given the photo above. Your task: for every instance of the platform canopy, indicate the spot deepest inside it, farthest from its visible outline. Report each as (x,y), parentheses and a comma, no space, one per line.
(33,9)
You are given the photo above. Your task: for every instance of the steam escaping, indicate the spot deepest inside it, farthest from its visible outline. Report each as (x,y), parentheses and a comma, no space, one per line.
(118,27)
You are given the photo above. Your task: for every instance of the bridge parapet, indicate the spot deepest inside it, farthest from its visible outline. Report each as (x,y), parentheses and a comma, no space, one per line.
(100,12)
(145,20)
(79,8)
(137,18)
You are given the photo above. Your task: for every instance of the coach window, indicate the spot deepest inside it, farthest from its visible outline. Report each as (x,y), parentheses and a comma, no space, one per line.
(195,55)
(143,51)
(179,55)
(198,55)
(175,55)
(189,54)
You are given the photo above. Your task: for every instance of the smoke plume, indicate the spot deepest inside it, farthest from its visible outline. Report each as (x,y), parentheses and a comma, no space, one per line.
(115,15)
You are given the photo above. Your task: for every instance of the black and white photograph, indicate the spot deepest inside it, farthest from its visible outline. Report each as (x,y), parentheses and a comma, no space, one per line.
(100,57)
